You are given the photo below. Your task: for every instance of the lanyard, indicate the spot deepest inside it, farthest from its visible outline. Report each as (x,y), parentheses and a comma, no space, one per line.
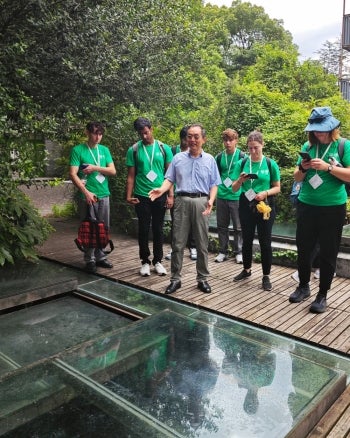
(97,162)
(324,153)
(227,165)
(145,150)
(251,170)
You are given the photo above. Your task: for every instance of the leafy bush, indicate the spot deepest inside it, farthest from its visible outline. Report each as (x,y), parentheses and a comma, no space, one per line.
(21,226)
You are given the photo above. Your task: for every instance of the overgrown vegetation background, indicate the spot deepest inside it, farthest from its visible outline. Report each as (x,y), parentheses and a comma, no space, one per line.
(175,61)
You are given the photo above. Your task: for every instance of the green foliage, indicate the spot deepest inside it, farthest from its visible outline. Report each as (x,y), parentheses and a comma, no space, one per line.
(21,226)
(67,210)
(285,256)
(313,82)
(173,61)
(284,207)
(253,106)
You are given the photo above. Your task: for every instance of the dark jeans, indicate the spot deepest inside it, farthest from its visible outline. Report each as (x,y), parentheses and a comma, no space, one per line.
(150,212)
(321,225)
(251,219)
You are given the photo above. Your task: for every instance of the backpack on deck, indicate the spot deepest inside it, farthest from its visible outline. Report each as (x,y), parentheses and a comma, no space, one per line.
(93,233)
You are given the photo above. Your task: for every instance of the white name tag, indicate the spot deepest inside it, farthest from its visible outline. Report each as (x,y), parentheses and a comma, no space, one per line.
(315,181)
(100,178)
(151,175)
(250,194)
(227,182)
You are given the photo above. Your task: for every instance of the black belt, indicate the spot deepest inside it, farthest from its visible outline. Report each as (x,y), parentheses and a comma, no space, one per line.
(192,195)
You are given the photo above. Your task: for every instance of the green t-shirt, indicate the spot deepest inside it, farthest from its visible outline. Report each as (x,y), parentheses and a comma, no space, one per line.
(101,156)
(261,168)
(149,158)
(226,164)
(332,190)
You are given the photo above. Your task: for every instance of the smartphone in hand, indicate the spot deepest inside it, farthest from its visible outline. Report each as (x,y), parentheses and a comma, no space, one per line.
(305,156)
(252,176)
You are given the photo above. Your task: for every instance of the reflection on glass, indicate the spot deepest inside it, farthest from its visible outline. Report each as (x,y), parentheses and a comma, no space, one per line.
(201,380)
(45,329)
(67,367)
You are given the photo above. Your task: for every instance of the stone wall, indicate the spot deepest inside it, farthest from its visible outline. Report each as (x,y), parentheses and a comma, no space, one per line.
(45,197)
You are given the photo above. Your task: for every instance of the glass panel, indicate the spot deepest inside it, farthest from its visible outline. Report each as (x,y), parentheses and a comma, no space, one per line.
(25,276)
(203,381)
(48,401)
(129,298)
(45,329)
(146,303)
(178,372)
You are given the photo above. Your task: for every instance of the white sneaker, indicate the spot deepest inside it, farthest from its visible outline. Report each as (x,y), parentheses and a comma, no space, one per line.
(317,274)
(193,254)
(220,257)
(159,268)
(239,259)
(145,270)
(168,256)
(295,276)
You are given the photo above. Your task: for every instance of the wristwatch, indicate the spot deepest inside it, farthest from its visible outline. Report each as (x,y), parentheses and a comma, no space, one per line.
(330,168)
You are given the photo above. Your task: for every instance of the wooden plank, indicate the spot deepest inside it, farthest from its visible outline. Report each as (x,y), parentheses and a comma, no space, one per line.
(342,428)
(335,415)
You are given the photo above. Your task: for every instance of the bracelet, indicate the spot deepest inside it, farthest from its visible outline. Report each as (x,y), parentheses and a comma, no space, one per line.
(302,169)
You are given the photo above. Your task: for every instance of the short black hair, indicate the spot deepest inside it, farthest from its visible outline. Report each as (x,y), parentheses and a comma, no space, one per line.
(183,132)
(92,126)
(142,122)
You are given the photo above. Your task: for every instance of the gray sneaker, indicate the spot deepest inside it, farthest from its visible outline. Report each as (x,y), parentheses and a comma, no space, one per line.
(300,294)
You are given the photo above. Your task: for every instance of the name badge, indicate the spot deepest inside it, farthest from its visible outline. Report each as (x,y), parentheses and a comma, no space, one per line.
(315,181)
(100,178)
(250,194)
(227,182)
(151,175)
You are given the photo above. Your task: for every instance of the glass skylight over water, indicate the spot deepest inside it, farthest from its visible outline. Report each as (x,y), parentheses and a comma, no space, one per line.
(71,368)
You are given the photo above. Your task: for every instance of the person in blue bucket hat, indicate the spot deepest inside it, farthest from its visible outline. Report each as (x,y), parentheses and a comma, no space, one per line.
(322,120)
(321,204)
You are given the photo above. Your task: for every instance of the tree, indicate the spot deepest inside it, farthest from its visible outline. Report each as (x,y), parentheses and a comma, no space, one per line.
(111,51)
(247,26)
(334,59)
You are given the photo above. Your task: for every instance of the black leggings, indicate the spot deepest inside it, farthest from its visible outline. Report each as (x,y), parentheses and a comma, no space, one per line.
(323,225)
(250,219)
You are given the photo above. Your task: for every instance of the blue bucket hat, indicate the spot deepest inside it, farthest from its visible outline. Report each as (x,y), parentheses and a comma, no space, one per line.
(321,119)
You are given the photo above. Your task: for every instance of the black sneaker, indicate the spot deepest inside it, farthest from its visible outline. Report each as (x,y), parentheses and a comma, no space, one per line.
(266,283)
(244,274)
(300,294)
(319,305)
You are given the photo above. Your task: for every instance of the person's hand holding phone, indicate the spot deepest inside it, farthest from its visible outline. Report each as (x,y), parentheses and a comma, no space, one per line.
(305,156)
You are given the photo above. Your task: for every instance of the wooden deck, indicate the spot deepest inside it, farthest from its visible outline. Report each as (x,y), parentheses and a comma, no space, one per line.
(243,300)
